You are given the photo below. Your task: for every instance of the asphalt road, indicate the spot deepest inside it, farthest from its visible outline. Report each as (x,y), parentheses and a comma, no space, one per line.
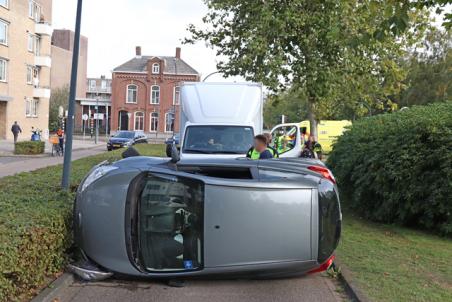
(309,288)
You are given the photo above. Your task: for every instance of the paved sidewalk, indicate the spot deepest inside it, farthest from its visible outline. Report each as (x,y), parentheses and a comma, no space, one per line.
(14,164)
(310,288)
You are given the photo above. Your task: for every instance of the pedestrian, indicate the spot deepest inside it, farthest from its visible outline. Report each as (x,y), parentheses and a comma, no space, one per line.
(259,150)
(60,134)
(15,129)
(272,150)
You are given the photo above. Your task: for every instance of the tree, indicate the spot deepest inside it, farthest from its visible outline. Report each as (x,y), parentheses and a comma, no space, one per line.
(429,66)
(324,48)
(59,97)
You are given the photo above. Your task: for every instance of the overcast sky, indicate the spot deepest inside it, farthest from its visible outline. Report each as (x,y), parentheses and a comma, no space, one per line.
(115,27)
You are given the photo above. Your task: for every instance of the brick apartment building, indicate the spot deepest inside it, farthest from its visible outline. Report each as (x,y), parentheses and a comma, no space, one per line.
(146,93)
(62,49)
(25,61)
(98,94)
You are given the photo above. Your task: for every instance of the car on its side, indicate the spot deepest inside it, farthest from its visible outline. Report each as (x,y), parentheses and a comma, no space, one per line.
(164,218)
(173,140)
(126,139)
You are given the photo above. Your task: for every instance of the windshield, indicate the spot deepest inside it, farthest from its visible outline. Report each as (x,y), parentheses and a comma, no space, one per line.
(124,134)
(218,139)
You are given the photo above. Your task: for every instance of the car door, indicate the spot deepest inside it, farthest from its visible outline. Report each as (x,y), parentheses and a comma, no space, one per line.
(287,140)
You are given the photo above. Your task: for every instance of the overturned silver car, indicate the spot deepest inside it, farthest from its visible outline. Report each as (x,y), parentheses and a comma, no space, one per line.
(153,217)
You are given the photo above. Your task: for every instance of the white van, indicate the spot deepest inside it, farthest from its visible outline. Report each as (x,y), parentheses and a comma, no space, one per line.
(219,119)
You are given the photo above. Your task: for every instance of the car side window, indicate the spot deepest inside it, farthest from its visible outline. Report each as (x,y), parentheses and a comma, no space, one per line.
(284,138)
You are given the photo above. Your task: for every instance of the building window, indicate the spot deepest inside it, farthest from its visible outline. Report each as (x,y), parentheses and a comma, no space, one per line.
(92,85)
(3,68)
(139,121)
(176,95)
(169,122)
(156,68)
(30,72)
(34,10)
(31,43)
(3,32)
(31,108)
(132,91)
(4,3)
(37,44)
(155,95)
(103,85)
(154,122)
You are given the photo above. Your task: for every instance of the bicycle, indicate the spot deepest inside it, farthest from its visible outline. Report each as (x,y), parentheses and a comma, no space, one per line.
(56,148)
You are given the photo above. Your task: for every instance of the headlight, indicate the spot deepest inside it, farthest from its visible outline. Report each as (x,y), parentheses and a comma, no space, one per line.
(95,174)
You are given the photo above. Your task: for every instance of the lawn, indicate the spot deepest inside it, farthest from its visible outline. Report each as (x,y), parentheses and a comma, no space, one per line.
(35,223)
(392,263)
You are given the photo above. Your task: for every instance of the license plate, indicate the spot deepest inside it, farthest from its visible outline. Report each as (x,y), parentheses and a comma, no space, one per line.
(116,145)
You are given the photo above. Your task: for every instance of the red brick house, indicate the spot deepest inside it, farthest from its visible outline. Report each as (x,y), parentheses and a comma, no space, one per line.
(146,93)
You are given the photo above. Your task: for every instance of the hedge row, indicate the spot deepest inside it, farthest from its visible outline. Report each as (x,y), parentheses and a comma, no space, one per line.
(29,147)
(397,168)
(35,225)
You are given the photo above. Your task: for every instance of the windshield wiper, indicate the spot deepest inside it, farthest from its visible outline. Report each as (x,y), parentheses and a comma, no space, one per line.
(228,152)
(197,151)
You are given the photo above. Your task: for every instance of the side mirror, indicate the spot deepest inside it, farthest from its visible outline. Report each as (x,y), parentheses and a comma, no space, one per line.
(175,157)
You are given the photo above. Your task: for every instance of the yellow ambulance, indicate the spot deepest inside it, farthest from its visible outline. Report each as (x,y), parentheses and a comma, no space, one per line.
(328,131)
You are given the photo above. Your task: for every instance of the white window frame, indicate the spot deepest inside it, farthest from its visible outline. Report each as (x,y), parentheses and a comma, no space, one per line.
(31,107)
(136,94)
(4,70)
(135,120)
(30,39)
(166,121)
(91,86)
(6,5)
(34,10)
(30,74)
(155,99)
(152,118)
(6,25)
(37,45)
(176,97)
(156,68)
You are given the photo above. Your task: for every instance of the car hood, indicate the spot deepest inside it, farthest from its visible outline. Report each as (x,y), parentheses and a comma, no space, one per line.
(119,140)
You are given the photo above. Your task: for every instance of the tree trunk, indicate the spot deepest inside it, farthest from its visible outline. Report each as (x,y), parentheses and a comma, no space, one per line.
(312,118)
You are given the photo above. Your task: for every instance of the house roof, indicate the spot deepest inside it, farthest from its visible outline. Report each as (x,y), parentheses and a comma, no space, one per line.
(173,65)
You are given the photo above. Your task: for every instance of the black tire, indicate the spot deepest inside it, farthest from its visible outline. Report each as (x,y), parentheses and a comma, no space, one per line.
(168,150)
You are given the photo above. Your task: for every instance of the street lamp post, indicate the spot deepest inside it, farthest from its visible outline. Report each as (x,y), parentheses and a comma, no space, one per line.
(97,120)
(71,107)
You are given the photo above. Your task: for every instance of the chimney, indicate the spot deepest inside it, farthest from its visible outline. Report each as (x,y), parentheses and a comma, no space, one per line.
(138,51)
(178,52)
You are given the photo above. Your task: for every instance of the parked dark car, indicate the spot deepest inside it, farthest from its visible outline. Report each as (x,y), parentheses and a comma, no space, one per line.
(164,218)
(175,139)
(126,139)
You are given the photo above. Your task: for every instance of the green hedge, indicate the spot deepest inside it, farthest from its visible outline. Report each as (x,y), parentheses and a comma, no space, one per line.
(397,168)
(35,224)
(29,147)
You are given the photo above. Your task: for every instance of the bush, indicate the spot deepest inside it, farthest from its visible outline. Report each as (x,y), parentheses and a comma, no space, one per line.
(35,224)
(397,168)
(29,147)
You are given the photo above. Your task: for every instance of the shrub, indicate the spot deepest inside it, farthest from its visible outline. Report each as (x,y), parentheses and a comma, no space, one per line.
(397,168)
(29,147)
(35,224)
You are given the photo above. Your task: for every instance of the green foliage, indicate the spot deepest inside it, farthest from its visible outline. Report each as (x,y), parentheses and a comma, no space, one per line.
(398,167)
(324,49)
(35,224)
(59,97)
(29,147)
(292,104)
(429,67)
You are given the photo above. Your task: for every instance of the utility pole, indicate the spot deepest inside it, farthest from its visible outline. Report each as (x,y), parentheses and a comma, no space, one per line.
(71,108)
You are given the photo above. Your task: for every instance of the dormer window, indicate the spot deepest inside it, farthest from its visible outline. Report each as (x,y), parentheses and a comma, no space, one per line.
(156,68)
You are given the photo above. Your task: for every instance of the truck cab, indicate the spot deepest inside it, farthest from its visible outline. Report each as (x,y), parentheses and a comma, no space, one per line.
(219,119)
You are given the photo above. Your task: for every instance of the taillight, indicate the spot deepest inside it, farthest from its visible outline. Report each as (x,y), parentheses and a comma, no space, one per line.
(324,172)
(324,266)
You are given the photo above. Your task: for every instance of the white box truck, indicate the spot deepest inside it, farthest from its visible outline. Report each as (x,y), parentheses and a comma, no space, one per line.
(219,119)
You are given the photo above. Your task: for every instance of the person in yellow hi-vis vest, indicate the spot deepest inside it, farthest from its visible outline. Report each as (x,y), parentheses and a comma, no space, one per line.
(260,149)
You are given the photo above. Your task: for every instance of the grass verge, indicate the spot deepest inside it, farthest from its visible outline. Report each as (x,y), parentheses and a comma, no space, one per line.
(391,263)
(35,223)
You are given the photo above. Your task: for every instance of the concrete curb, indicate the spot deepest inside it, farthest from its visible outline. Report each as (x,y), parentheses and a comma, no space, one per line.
(52,291)
(350,286)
